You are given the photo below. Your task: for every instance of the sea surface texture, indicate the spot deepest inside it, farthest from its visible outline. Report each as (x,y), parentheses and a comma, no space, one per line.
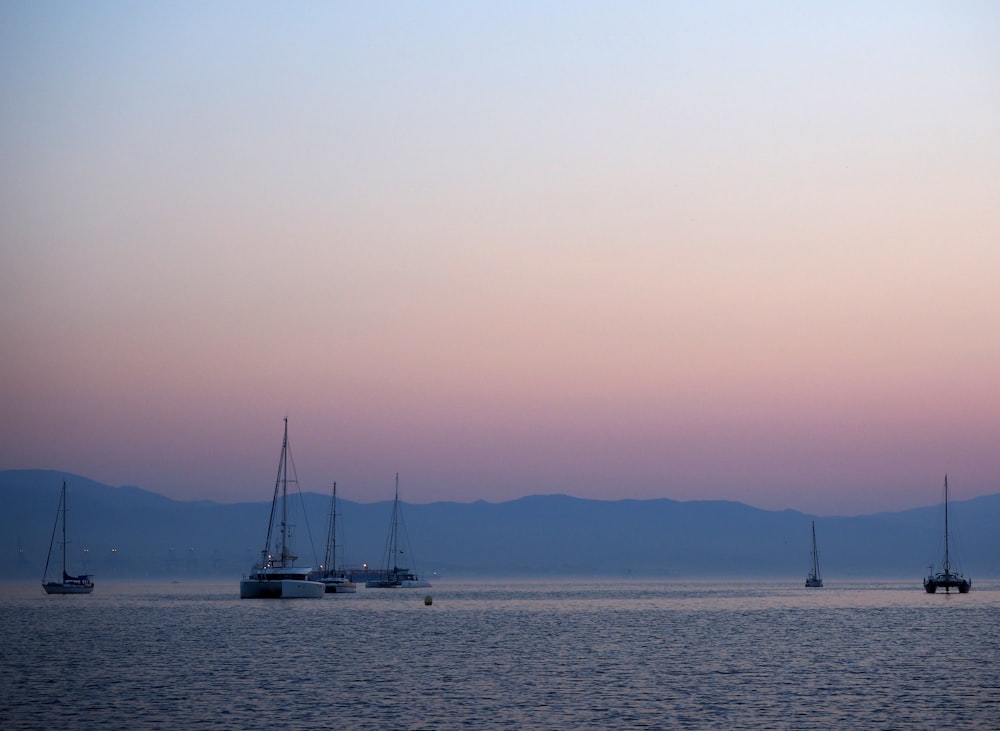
(515,655)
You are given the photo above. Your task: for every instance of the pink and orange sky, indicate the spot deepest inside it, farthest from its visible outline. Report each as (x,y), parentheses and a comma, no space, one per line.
(744,251)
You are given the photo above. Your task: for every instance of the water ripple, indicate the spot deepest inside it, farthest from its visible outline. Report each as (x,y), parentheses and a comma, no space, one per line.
(528,655)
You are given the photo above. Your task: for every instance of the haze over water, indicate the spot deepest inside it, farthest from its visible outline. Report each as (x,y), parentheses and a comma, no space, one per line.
(518,655)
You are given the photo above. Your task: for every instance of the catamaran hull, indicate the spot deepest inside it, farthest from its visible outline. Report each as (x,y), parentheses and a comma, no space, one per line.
(280,589)
(341,587)
(53,588)
(404,584)
(947,582)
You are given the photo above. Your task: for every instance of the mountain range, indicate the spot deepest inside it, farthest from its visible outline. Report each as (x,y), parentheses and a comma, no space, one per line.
(128,532)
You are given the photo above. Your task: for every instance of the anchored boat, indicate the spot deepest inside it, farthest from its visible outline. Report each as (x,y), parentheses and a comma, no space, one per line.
(946,578)
(276,576)
(396,577)
(81,584)
(335,580)
(813,580)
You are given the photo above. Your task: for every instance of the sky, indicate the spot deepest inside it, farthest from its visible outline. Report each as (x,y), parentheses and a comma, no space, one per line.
(714,250)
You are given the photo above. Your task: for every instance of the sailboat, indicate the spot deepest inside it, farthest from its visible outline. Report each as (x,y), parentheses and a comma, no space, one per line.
(68,584)
(813,580)
(395,577)
(277,576)
(335,580)
(946,579)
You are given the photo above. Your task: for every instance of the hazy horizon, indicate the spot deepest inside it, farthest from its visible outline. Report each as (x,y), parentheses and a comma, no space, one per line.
(714,251)
(137,533)
(371,498)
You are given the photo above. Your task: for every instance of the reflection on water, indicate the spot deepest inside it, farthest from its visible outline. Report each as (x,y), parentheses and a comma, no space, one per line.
(558,654)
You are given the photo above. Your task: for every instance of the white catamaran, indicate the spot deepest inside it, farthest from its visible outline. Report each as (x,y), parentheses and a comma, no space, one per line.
(276,576)
(396,577)
(66,584)
(946,578)
(813,580)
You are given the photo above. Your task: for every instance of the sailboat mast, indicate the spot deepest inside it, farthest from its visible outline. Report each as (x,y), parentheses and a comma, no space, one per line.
(265,555)
(393,531)
(815,555)
(62,578)
(284,491)
(947,561)
(331,542)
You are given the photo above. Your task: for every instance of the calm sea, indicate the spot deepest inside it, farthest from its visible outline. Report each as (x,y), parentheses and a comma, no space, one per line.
(518,655)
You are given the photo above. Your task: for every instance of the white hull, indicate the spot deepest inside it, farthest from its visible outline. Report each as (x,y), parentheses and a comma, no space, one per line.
(281,589)
(54,588)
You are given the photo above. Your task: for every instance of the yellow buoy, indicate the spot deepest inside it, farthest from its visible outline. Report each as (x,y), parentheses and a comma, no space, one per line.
(428,600)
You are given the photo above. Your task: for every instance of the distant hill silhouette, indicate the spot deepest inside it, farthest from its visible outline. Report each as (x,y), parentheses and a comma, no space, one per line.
(155,536)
